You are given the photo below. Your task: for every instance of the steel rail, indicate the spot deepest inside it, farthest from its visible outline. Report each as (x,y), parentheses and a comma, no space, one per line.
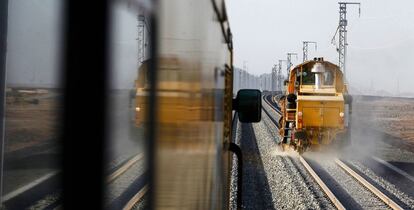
(137,197)
(315,176)
(271,106)
(277,109)
(274,99)
(121,170)
(394,168)
(323,186)
(368,185)
(124,168)
(271,118)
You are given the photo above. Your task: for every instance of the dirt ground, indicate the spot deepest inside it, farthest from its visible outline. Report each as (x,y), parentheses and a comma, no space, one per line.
(394,116)
(31,119)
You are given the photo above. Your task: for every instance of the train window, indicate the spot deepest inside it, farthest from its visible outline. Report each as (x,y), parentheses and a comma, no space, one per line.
(128,93)
(32,143)
(142,76)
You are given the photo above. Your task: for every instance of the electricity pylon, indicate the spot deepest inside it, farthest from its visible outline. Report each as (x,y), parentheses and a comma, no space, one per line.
(279,75)
(274,77)
(343,22)
(289,61)
(141,39)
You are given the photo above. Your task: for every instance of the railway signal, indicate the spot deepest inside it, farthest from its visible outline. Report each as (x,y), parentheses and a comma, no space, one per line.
(343,22)
(306,47)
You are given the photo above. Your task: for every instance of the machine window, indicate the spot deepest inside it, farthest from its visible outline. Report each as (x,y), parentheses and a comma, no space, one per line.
(308,78)
(328,77)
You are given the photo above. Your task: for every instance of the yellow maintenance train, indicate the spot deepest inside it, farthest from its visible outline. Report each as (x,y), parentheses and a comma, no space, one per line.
(316,107)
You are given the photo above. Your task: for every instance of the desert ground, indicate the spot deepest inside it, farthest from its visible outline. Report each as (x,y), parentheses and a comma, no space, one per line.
(394,116)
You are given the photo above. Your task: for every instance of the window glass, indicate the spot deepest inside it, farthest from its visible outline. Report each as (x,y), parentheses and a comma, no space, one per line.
(33,105)
(328,77)
(128,93)
(308,78)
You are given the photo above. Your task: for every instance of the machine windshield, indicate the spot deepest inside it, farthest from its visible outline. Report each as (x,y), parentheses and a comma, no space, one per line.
(307,77)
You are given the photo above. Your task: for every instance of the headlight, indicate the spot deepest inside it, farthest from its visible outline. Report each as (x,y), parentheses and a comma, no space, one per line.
(341,114)
(300,114)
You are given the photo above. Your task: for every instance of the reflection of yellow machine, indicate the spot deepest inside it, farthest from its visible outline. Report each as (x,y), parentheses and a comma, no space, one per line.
(178,91)
(194,103)
(316,107)
(141,88)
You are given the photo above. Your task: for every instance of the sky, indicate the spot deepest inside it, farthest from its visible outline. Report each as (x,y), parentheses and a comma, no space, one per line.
(381,40)
(35,44)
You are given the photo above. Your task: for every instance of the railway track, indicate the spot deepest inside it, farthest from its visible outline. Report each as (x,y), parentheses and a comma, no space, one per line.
(364,184)
(127,185)
(44,192)
(333,190)
(368,185)
(123,167)
(323,186)
(272,102)
(273,110)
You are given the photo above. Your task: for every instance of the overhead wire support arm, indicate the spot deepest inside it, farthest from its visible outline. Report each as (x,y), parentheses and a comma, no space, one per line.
(306,48)
(289,62)
(333,38)
(279,75)
(342,33)
(274,77)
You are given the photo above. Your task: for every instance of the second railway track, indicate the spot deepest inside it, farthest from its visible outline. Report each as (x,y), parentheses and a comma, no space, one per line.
(127,184)
(346,188)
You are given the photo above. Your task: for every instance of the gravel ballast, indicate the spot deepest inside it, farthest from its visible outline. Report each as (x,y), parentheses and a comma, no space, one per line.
(274,179)
(124,181)
(407,201)
(292,187)
(349,191)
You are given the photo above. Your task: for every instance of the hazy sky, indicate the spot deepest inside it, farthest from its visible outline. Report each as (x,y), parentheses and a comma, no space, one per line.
(381,41)
(34,44)
(33,48)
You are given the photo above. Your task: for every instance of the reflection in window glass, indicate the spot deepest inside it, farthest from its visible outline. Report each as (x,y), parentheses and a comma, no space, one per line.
(308,78)
(129,54)
(328,77)
(33,104)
